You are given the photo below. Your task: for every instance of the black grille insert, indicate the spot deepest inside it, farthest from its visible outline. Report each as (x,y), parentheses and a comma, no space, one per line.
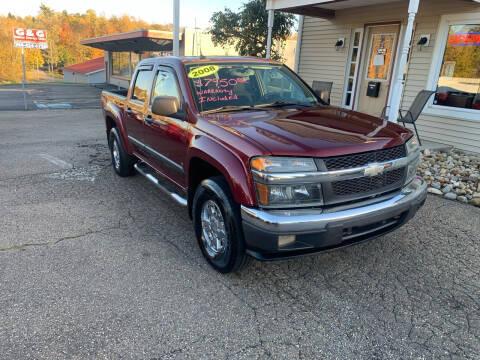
(367,184)
(357,160)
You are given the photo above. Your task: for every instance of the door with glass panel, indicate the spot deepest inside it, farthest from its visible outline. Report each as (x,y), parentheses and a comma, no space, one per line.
(378,62)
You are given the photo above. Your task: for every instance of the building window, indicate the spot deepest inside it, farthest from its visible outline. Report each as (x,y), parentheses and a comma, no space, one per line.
(121,64)
(458,82)
(352,68)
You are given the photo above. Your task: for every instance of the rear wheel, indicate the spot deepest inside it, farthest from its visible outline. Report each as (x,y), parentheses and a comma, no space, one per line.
(121,160)
(217,223)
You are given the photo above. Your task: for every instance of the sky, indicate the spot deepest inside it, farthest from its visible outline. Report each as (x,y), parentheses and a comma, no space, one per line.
(152,11)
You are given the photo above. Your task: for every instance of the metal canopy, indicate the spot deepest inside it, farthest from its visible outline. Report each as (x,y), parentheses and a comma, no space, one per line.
(137,41)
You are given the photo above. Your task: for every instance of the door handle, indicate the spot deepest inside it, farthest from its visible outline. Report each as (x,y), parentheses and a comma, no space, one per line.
(148,119)
(129,111)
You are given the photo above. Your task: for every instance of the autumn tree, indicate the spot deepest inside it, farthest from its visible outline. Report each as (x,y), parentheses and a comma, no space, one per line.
(246,30)
(64,32)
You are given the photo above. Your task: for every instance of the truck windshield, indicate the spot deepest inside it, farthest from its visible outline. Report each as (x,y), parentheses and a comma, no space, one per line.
(239,86)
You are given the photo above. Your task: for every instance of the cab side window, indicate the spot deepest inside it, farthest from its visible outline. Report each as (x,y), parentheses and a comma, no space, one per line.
(166,85)
(142,82)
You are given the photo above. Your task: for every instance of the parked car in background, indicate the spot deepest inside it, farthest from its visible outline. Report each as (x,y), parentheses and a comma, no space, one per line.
(265,168)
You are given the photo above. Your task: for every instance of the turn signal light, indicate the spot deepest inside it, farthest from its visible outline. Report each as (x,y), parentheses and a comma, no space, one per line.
(262,191)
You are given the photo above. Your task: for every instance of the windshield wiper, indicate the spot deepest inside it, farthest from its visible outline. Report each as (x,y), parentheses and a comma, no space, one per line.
(229,108)
(282,103)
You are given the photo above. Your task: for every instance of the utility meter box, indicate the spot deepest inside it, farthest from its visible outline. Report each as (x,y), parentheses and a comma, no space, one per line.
(373,88)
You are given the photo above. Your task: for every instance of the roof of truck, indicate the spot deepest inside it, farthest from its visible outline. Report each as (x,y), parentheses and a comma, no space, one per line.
(205,59)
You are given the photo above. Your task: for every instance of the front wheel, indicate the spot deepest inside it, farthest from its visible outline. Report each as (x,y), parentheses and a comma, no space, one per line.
(217,223)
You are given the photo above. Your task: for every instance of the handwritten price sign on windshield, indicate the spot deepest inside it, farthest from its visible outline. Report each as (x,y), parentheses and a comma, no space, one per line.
(30,38)
(218,82)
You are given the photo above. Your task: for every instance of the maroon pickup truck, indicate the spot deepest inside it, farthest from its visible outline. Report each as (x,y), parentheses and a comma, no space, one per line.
(265,167)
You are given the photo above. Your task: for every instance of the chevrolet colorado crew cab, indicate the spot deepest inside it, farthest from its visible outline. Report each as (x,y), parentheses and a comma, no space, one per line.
(266,169)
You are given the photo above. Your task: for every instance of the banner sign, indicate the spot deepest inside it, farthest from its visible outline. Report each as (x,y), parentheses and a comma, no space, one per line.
(30,38)
(463,39)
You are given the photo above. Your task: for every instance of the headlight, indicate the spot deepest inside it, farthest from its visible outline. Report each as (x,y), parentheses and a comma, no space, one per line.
(285,195)
(272,164)
(412,145)
(291,195)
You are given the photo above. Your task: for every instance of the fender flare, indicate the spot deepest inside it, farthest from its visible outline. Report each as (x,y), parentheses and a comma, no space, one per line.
(234,170)
(115,113)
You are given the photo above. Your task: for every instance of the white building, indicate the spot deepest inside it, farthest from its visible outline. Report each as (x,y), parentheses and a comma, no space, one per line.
(373,45)
(87,72)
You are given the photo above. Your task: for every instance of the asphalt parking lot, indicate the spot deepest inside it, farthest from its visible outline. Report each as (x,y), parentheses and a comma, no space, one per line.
(74,96)
(93,266)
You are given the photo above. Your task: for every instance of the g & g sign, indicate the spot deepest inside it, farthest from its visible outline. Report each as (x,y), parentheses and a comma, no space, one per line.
(30,38)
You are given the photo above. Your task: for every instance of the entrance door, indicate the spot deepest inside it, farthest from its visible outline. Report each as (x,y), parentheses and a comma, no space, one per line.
(378,63)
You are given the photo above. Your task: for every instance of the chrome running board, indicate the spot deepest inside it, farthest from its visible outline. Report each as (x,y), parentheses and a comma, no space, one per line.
(145,170)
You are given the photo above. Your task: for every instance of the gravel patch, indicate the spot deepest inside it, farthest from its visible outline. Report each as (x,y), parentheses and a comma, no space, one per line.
(453,175)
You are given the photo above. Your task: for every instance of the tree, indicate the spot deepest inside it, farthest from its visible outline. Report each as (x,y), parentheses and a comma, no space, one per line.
(247,29)
(64,33)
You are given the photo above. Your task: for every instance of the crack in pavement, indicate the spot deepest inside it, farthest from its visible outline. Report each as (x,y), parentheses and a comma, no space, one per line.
(53,242)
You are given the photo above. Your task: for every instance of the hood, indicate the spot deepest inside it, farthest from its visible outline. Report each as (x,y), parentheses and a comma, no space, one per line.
(320,131)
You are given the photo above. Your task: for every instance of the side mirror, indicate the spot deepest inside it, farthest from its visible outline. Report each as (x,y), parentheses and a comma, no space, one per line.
(165,105)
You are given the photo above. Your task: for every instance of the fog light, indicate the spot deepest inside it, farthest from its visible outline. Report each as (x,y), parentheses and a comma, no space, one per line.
(285,240)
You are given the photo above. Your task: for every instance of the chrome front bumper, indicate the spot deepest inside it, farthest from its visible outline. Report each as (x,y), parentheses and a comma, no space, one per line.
(318,229)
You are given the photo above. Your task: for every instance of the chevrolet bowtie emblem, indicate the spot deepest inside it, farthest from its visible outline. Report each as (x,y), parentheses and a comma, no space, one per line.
(376,169)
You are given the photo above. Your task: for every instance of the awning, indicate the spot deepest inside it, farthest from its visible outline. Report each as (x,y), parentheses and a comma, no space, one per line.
(321,8)
(137,41)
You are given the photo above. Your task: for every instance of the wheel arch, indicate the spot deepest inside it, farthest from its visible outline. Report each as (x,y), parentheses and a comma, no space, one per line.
(208,159)
(113,119)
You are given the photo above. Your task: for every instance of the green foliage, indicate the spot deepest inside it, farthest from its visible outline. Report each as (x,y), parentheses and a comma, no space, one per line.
(247,29)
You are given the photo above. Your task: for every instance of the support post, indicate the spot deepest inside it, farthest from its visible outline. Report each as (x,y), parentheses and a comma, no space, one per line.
(176,27)
(299,42)
(397,89)
(271,16)
(24,80)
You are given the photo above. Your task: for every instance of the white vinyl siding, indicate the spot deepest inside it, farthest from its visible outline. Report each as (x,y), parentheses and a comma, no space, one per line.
(319,60)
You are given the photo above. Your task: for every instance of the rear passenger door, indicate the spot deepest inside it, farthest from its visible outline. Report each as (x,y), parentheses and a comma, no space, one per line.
(166,136)
(136,105)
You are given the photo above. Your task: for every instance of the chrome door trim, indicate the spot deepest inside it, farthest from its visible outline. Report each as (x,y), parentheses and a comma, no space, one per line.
(159,156)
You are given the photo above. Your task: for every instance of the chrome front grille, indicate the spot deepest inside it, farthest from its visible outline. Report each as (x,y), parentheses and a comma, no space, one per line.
(357,160)
(359,188)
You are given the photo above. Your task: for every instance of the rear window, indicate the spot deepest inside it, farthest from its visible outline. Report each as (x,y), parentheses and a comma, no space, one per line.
(217,85)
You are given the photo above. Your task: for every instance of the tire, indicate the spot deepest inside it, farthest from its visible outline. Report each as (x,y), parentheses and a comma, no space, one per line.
(122,162)
(213,201)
